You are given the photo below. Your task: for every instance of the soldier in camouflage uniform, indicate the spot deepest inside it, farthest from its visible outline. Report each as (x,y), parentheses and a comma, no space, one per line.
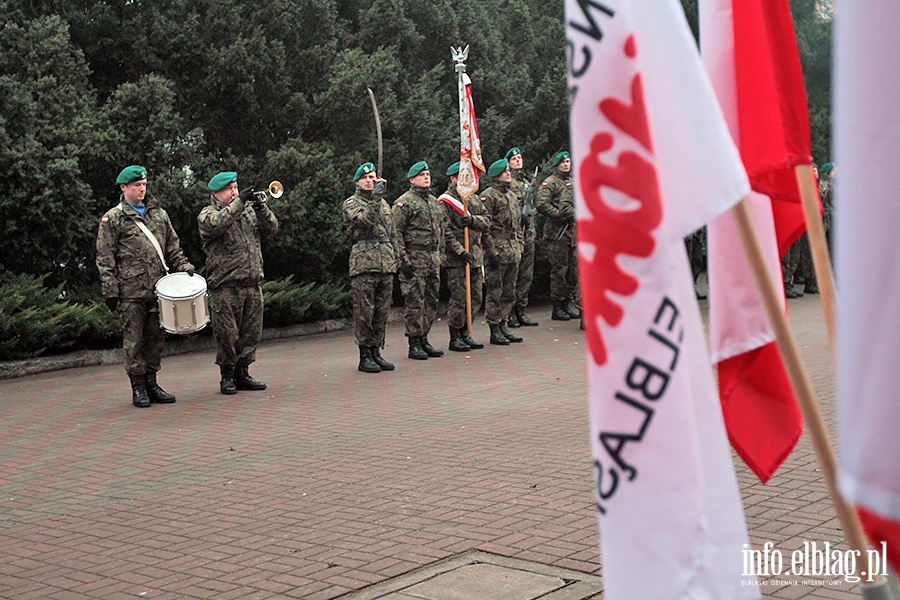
(461,217)
(232,228)
(423,238)
(130,266)
(521,185)
(373,262)
(556,202)
(503,244)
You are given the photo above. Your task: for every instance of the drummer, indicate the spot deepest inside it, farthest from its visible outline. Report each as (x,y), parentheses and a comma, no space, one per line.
(131,260)
(231,229)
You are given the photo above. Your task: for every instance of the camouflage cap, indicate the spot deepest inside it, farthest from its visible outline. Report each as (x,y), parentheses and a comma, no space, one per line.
(364,169)
(416,169)
(222,180)
(131,174)
(453,169)
(512,152)
(498,167)
(559,157)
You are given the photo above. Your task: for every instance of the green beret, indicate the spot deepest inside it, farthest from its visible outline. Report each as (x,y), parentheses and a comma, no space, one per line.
(512,152)
(453,169)
(559,157)
(826,168)
(364,169)
(497,167)
(222,180)
(130,174)
(416,169)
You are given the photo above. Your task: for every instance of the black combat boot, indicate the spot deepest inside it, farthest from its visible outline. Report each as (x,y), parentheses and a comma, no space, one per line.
(456,342)
(509,334)
(811,288)
(512,321)
(465,337)
(154,392)
(790,292)
(139,395)
(497,337)
(415,349)
(226,385)
(573,313)
(523,319)
(559,313)
(367,363)
(376,356)
(243,380)
(430,350)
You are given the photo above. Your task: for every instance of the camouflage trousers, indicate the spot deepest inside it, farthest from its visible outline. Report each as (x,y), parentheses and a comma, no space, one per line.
(563,270)
(142,336)
(456,306)
(237,322)
(371,302)
(525,274)
(420,297)
(500,284)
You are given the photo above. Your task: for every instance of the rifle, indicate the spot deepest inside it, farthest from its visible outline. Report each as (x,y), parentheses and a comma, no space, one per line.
(528,209)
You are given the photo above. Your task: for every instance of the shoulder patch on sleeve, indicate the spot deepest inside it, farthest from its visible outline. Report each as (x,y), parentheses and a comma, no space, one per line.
(204,211)
(104,220)
(544,184)
(399,204)
(348,202)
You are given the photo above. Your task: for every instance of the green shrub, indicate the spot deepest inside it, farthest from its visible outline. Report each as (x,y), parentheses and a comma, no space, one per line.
(34,321)
(289,303)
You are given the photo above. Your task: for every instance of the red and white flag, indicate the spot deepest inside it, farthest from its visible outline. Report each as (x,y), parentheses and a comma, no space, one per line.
(471,164)
(867,142)
(749,49)
(653,161)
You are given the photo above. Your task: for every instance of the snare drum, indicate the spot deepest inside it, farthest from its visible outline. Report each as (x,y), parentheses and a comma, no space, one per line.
(182,303)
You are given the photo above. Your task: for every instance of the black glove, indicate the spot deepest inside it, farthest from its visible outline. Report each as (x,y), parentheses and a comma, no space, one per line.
(111,303)
(378,190)
(407,271)
(190,272)
(246,194)
(467,221)
(524,220)
(468,257)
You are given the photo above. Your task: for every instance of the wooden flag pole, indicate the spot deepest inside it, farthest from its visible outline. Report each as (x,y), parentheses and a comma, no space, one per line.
(468,272)
(787,345)
(806,181)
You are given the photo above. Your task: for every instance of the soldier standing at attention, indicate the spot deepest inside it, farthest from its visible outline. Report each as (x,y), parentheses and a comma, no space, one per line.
(232,228)
(474,218)
(131,260)
(525,273)
(503,249)
(423,236)
(373,262)
(556,202)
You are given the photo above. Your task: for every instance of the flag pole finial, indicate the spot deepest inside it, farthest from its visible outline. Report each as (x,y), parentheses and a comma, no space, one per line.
(459,56)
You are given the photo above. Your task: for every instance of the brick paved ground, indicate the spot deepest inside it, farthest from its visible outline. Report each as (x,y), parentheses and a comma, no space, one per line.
(331,480)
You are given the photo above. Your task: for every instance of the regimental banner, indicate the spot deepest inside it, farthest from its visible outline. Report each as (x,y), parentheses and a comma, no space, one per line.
(471,164)
(652,162)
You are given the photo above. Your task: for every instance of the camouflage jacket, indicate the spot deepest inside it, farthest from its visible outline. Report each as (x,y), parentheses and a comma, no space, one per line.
(373,238)
(480,223)
(504,238)
(128,263)
(232,235)
(556,202)
(423,230)
(520,184)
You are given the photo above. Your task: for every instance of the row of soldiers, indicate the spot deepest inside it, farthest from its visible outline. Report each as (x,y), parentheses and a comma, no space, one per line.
(486,241)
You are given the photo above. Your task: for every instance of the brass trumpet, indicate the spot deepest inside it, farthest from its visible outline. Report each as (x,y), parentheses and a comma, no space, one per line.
(275,189)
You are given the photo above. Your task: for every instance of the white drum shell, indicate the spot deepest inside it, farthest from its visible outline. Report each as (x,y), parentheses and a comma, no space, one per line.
(183,305)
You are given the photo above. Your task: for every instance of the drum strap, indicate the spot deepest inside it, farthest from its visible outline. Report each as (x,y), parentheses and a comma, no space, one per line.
(150,237)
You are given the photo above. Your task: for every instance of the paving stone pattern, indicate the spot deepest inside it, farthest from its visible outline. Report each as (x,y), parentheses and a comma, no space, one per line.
(333,480)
